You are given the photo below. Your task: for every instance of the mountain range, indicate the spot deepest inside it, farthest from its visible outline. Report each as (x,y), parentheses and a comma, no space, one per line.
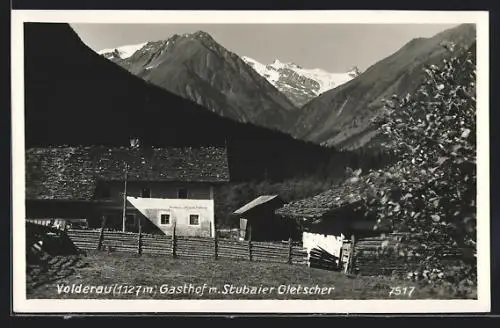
(91,100)
(299,84)
(198,68)
(332,109)
(74,96)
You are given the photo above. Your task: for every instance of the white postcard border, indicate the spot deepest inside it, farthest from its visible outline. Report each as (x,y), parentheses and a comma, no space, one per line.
(23,305)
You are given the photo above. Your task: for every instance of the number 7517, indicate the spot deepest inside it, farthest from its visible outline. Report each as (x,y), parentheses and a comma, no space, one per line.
(401,291)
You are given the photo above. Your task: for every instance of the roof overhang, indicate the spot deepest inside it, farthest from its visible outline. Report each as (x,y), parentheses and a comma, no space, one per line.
(320,212)
(255,203)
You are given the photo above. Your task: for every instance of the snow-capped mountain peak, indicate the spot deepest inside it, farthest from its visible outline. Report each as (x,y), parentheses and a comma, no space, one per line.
(277,64)
(196,67)
(123,52)
(354,72)
(300,84)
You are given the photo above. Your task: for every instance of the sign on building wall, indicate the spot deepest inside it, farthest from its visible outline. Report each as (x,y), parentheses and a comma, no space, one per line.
(190,217)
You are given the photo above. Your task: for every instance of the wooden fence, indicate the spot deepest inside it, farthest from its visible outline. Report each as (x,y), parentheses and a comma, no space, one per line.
(389,255)
(189,247)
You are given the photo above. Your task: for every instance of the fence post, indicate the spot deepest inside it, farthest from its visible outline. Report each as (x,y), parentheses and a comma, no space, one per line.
(250,243)
(139,241)
(101,234)
(64,232)
(216,246)
(350,261)
(173,241)
(290,250)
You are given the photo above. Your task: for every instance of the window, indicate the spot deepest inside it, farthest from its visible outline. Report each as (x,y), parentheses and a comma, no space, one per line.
(182,193)
(165,219)
(146,193)
(194,219)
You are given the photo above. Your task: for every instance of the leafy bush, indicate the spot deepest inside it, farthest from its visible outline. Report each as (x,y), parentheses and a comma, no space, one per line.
(431,190)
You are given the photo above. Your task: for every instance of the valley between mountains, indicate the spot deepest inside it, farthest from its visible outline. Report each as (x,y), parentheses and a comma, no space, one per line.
(332,109)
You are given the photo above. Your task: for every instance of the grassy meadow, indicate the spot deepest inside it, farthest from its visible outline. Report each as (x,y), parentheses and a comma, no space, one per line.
(128,276)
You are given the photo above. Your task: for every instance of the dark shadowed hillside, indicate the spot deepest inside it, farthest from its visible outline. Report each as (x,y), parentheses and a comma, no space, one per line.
(198,68)
(77,97)
(340,117)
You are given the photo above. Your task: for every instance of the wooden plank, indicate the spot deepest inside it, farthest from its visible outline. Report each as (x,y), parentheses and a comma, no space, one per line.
(110,233)
(84,237)
(282,254)
(243,256)
(83,231)
(165,247)
(195,238)
(239,252)
(154,237)
(87,247)
(283,257)
(155,244)
(271,250)
(275,249)
(239,247)
(199,255)
(234,256)
(299,254)
(234,246)
(156,250)
(110,243)
(273,243)
(197,245)
(94,239)
(120,237)
(149,252)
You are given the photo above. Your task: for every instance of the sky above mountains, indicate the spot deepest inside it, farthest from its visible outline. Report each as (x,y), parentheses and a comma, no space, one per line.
(332,47)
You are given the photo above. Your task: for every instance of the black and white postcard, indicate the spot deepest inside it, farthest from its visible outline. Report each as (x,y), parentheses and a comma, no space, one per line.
(239,161)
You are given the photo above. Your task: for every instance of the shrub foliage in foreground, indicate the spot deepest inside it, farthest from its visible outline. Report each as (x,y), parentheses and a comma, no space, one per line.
(431,190)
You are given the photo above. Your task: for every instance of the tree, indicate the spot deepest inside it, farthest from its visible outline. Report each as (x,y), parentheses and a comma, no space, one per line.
(431,190)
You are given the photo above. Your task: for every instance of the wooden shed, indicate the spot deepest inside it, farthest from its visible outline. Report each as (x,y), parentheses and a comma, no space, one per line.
(332,220)
(258,221)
